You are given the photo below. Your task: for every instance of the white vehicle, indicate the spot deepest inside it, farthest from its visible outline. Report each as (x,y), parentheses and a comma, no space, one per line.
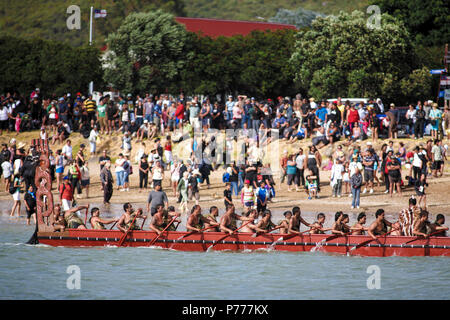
(352,100)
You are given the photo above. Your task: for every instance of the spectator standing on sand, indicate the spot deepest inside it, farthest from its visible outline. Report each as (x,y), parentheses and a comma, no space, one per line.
(356,183)
(107,182)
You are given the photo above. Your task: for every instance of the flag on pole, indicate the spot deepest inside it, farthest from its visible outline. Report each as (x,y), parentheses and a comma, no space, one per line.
(99,13)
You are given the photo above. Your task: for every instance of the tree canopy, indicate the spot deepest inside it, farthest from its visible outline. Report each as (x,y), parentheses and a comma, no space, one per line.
(146,53)
(54,67)
(342,56)
(428,21)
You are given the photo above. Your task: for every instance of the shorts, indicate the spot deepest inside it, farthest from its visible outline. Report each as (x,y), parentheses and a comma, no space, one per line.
(16,196)
(73,225)
(85,183)
(4,124)
(52,122)
(368,175)
(394,178)
(102,121)
(249,204)
(30,213)
(59,170)
(437,165)
(290,179)
(66,204)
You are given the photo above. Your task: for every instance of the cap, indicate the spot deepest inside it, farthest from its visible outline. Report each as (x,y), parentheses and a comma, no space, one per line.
(145,121)
(247,181)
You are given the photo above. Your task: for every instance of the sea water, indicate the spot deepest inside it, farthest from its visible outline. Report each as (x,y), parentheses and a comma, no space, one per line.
(44,272)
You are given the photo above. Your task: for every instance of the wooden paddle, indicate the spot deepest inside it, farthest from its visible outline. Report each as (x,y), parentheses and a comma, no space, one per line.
(142,226)
(227,235)
(126,233)
(85,218)
(259,233)
(167,227)
(195,231)
(113,225)
(362,244)
(422,237)
(289,236)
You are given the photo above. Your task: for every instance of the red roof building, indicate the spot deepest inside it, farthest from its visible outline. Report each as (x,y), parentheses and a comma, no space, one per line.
(215,28)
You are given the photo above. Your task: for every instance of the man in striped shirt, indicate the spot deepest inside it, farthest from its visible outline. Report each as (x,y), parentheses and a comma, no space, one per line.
(91,108)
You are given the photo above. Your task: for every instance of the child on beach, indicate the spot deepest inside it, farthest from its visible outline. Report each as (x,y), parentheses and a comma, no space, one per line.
(18,122)
(311,187)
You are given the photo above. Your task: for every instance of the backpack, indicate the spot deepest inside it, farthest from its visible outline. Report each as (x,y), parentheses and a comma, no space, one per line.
(12,189)
(226,177)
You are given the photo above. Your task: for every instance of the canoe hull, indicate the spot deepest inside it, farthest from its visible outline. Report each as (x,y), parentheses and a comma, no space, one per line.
(181,241)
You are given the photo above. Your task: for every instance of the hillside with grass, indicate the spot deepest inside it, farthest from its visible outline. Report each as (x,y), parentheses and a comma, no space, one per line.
(263,10)
(47,19)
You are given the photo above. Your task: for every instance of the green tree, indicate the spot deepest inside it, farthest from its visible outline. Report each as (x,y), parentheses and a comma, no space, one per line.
(417,85)
(341,56)
(428,21)
(146,53)
(54,67)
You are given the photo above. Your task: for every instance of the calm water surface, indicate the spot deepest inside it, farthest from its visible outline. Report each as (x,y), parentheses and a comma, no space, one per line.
(40,272)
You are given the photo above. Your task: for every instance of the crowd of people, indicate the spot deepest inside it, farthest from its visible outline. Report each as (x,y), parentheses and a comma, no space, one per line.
(354,170)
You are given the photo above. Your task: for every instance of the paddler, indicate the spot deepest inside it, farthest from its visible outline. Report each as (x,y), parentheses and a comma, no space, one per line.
(127,221)
(251,227)
(317,226)
(211,218)
(438,225)
(345,221)
(358,228)
(228,220)
(59,224)
(98,223)
(338,225)
(196,221)
(420,225)
(296,220)
(266,223)
(379,226)
(284,223)
(161,219)
(73,221)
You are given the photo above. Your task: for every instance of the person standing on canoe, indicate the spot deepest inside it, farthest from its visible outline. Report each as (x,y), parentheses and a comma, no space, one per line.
(379,226)
(296,220)
(196,221)
(407,217)
(160,220)
(266,223)
(127,221)
(228,220)
(98,223)
(212,219)
(358,228)
(284,223)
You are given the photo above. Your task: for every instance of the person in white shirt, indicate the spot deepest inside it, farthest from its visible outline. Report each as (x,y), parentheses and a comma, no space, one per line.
(336,178)
(67,150)
(7,173)
(300,164)
(85,178)
(119,170)
(93,140)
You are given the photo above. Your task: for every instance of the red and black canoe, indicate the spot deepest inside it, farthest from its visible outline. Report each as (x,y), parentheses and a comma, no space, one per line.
(185,241)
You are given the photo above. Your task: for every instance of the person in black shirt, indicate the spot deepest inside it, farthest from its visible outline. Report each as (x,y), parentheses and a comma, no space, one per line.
(30,204)
(143,172)
(227,196)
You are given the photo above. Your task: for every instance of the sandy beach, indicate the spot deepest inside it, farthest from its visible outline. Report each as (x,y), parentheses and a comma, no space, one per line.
(437,192)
